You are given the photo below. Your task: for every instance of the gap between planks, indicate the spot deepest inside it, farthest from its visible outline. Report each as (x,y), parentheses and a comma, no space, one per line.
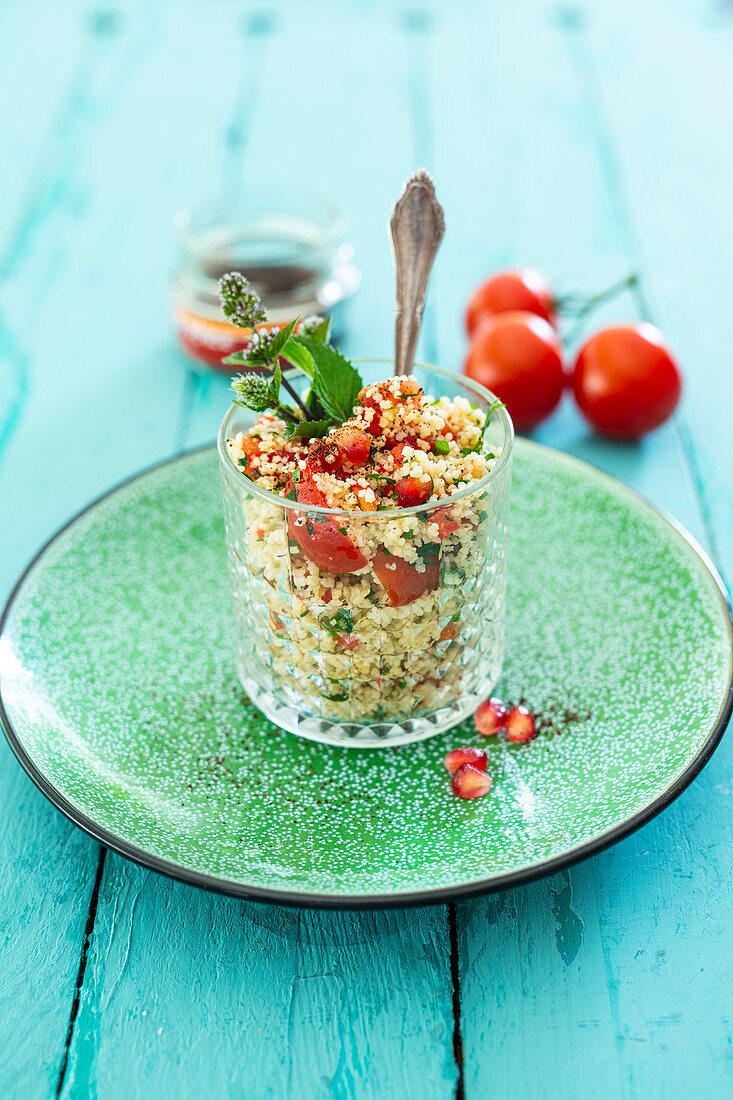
(88,932)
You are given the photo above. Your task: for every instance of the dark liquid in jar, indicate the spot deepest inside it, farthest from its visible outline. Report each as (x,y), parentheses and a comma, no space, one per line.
(270,281)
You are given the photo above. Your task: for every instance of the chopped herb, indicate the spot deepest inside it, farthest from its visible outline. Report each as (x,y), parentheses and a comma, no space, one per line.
(489,454)
(242,461)
(408,534)
(422,518)
(342,697)
(402,683)
(343,531)
(339,623)
(303,614)
(456,618)
(292,495)
(382,477)
(296,475)
(441,447)
(471,450)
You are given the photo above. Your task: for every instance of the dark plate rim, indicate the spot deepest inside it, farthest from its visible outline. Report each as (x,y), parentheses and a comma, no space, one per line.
(437,896)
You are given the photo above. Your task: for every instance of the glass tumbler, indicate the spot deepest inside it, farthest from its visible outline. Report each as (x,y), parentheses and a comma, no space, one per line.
(341,658)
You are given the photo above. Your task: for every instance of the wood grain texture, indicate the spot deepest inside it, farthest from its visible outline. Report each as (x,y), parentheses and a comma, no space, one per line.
(189,994)
(557,137)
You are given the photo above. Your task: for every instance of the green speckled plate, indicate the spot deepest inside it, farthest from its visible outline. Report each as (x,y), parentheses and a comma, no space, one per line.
(120,699)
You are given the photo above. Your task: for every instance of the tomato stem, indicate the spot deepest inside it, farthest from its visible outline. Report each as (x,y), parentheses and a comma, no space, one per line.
(579,305)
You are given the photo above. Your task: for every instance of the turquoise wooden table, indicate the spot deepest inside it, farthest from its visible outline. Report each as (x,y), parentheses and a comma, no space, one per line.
(586,139)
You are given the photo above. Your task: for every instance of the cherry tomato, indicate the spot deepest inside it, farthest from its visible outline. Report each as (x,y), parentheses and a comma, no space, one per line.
(321,538)
(324,457)
(411,491)
(626,381)
(526,290)
(354,444)
(401,580)
(518,357)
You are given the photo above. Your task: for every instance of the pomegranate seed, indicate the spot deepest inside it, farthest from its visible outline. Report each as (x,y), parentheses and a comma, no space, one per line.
(469,782)
(456,758)
(490,717)
(520,724)
(411,491)
(354,444)
(323,458)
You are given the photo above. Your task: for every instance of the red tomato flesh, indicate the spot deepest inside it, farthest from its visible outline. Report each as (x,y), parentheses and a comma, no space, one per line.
(320,537)
(411,491)
(354,444)
(400,578)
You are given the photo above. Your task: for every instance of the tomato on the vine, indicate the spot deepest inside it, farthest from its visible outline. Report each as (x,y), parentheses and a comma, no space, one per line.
(626,381)
(518,357)
(506,291)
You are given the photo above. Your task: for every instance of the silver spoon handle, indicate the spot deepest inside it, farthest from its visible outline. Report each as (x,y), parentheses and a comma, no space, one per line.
(416,229)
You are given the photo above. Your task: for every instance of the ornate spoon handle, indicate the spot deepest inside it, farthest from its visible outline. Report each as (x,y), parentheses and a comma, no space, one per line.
(416,229)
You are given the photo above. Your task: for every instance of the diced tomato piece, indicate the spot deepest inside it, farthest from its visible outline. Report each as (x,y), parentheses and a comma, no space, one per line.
(450,630)
(401,580)
(372,419)
(348,641)
(445,521)
(411,491)
(354,444)
(398,450)
(367,500)
(320,537)
(324,457)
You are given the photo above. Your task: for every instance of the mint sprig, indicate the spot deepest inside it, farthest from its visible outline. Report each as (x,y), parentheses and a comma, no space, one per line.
(336,384)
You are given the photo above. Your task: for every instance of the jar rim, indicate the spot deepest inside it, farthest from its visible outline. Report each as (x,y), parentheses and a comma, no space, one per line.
(393,513)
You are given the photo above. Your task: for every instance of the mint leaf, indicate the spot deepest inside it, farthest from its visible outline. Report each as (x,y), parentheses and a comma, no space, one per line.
(297,354)
(320,331)
(280,339)
(236,359)
(337,383)
(311,429)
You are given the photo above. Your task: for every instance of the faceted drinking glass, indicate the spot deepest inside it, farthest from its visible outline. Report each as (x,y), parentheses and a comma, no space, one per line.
(327,656)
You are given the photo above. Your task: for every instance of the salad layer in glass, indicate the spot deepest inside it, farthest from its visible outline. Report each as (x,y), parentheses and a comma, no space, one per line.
(368,563)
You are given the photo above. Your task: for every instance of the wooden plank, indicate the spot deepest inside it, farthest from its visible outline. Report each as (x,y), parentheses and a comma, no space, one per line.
(205,995)
(42,928)
(283,1004)
(91,392)
(554,999)
(668,112)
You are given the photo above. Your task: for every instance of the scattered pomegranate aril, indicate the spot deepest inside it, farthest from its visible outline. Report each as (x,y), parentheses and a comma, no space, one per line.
(470,782)
(456,758)
(490,717)
(520,724)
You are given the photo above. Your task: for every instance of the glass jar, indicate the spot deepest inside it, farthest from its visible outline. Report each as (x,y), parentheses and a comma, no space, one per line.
(329,657)
(288,243)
